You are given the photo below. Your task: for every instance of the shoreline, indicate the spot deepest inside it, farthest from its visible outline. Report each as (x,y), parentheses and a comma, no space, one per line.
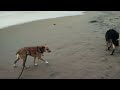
(8,19)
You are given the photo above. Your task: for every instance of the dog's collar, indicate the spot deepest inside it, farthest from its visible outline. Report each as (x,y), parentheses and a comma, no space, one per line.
(39,50)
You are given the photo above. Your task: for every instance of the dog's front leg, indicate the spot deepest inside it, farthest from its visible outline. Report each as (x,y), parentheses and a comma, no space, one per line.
(35,61)
(113,46)
(42,59)
(109,44)
(42,54)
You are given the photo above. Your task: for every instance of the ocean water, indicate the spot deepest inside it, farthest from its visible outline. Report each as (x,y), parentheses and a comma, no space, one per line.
(10,18)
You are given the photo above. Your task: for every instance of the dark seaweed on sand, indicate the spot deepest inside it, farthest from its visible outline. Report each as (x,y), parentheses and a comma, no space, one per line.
(93,21)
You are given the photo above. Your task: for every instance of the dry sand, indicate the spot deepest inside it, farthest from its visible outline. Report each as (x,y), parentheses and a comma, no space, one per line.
(78,48)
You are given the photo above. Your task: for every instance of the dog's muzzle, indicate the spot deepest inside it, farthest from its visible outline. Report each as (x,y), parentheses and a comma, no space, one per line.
(49,51)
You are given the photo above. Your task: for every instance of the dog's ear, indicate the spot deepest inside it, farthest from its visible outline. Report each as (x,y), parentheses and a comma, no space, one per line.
(45,45)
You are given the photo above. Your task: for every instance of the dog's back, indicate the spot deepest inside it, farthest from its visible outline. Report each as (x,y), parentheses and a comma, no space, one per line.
(112,35)
(31,51)
(22,51)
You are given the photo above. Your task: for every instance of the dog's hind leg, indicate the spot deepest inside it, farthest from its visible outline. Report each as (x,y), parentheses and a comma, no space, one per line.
(18,58)
(35,61)
(15,62)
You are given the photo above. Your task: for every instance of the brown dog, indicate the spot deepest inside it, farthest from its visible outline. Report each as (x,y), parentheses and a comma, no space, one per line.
(36,51)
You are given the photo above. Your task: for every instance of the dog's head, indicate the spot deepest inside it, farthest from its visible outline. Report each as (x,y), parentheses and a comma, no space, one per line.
(44,48)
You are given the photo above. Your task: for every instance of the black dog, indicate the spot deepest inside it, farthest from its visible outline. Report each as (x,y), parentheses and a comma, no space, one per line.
(112,37)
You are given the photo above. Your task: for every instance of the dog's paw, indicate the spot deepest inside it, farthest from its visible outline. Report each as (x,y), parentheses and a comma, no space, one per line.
(27,67)
(35,64)
(111,53)
(46,62)
(14,66)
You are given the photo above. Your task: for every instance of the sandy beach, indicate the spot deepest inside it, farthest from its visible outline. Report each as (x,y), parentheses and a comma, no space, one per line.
(78,47)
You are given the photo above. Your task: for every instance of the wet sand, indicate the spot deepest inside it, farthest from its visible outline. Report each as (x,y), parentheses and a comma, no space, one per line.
(78,48)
